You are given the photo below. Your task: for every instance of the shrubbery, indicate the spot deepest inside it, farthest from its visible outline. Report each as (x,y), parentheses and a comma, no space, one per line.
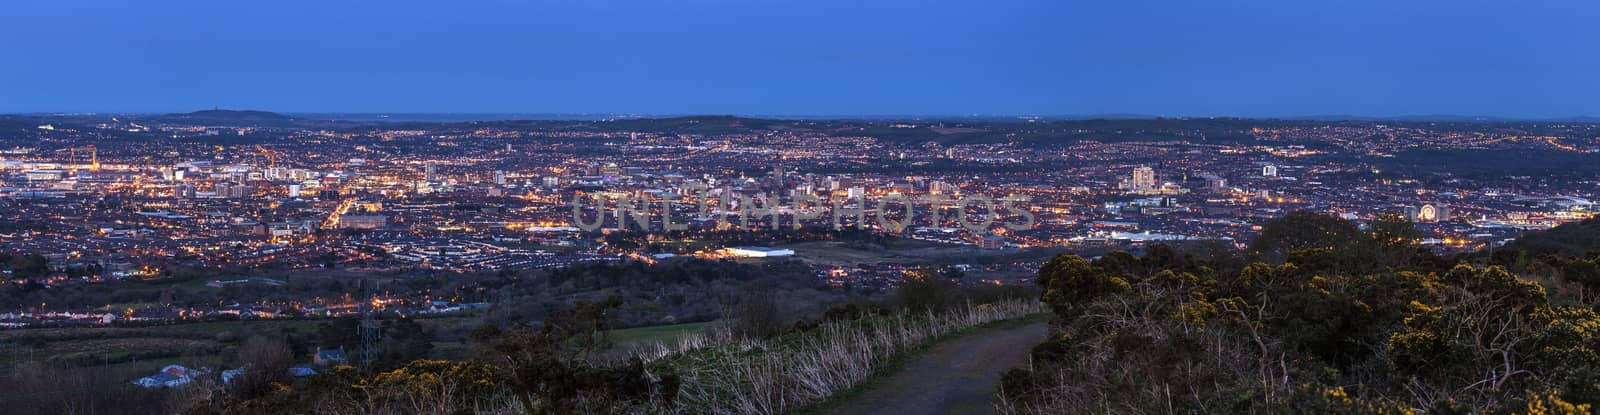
(1333,320)
(762,357)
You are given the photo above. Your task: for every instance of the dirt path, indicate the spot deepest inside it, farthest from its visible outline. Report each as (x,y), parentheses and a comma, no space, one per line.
(959,376)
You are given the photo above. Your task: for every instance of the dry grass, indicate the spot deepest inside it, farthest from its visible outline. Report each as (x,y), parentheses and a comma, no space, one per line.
(724,374)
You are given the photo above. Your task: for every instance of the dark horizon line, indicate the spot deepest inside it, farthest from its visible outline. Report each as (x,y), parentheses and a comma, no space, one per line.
(560,116)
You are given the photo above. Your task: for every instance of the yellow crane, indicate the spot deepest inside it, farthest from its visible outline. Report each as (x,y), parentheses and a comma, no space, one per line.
(272,157)
(94,156)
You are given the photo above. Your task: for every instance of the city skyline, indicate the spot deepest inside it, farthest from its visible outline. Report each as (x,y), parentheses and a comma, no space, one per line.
(187,244)
(834,207)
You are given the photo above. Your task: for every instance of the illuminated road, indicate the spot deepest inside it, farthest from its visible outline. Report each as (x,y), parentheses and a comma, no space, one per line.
(333,218)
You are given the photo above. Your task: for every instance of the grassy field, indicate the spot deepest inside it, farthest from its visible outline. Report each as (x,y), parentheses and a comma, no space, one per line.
(215,343)
(140,346)
(662,334)
(193,344)
(908,251)
(622,340)
(836,253)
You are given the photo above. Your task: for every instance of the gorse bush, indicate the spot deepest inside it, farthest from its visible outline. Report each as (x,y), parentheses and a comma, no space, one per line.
(1344,321)
(419,387)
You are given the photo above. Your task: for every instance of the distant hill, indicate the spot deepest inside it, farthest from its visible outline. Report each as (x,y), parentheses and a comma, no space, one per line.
(1441,118)
(702,124)
(1045,131)
(231,115)
(961,132)
(13,122)
(250,118)
(1572,239)
(12,127)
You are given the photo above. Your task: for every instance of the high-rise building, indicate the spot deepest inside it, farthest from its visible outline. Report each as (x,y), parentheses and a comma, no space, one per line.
(1215,183)
(500,177)
(240,191)
(1144,178)
(1269,171)
(430,172)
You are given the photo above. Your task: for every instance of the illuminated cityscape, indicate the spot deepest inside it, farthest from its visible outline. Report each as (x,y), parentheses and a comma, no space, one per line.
(130,197)
(711,207)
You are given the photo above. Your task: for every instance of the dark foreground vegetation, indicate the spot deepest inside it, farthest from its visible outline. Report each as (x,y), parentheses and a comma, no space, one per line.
(1322,317)
(758,359)
(769,350)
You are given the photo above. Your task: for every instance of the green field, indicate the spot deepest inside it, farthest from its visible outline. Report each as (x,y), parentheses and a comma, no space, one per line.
(621,339)
(190,344)
(660,334)
(143,347)
(214,343)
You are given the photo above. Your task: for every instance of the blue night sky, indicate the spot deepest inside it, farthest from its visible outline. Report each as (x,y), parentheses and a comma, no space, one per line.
(1527,58)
